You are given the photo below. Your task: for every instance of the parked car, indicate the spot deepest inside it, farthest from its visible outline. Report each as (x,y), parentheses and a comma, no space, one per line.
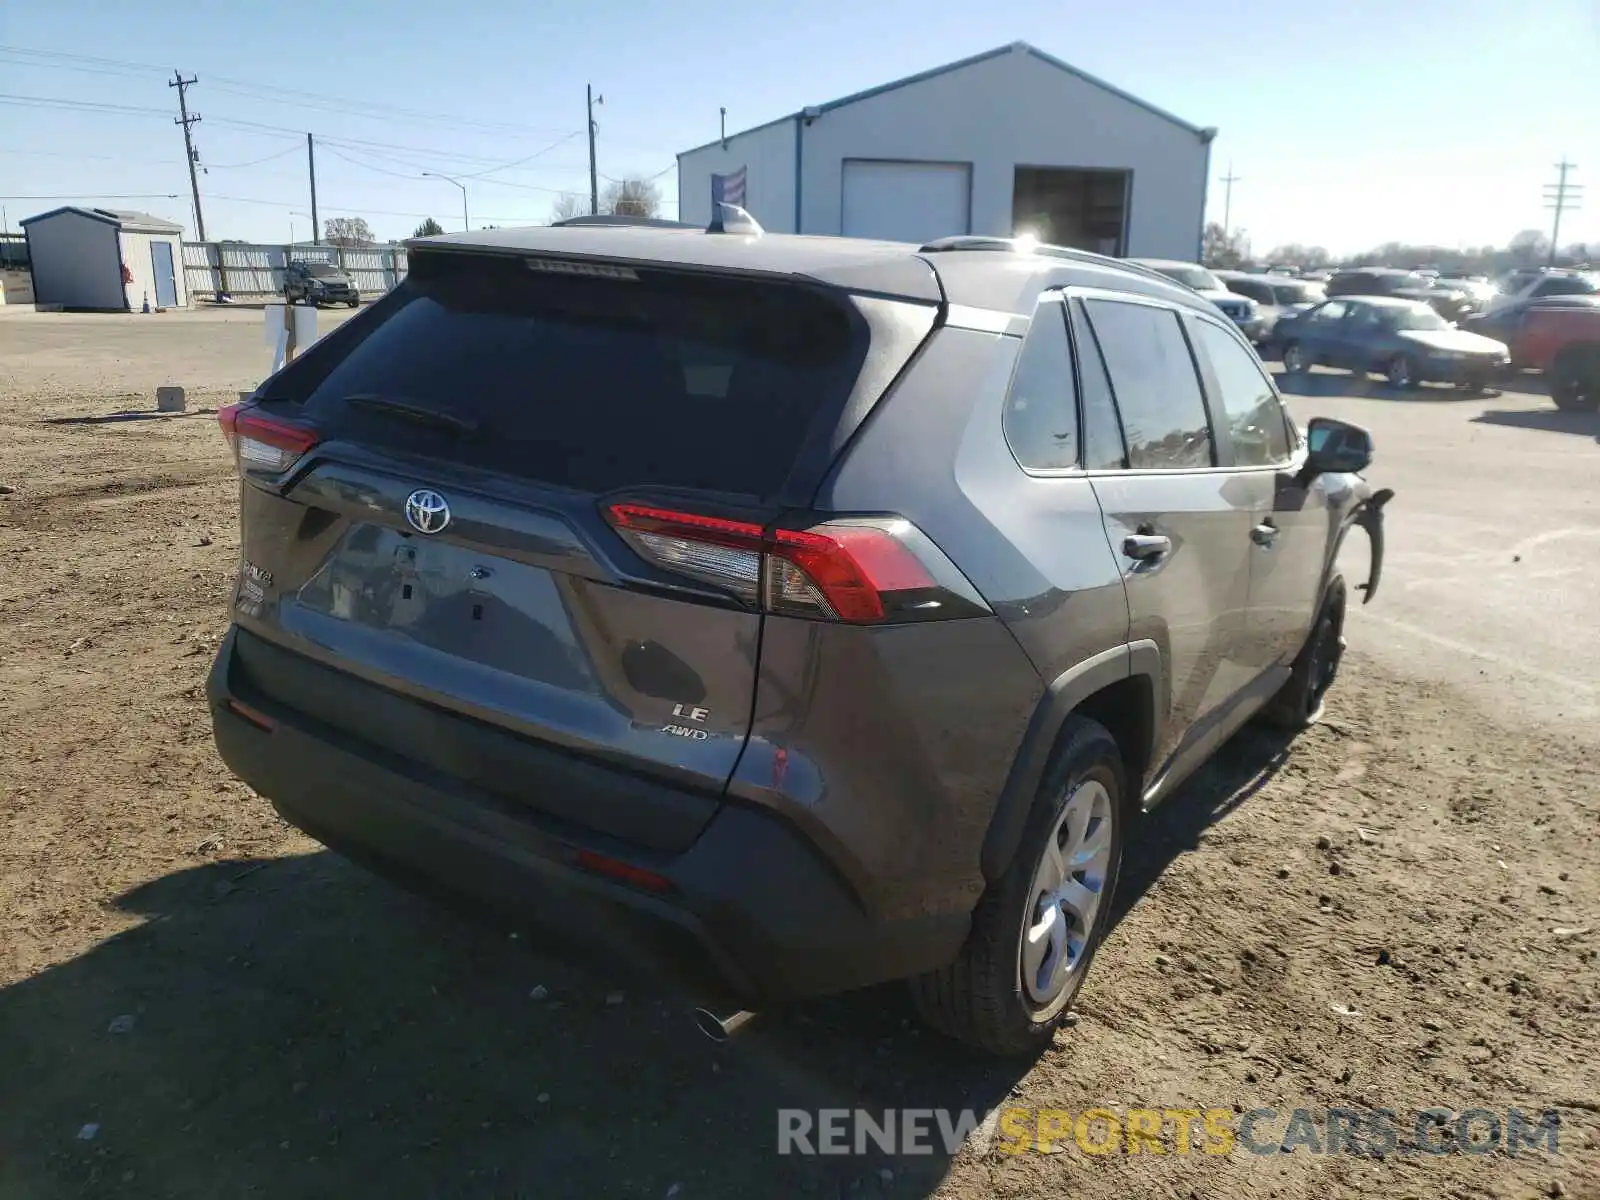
(1450,304)
(1563,341)
(1240,310)
(699,649)
(1504,323)
(1476,286)
(319,284)
(1404,340)
(1275,296)
(1540,284)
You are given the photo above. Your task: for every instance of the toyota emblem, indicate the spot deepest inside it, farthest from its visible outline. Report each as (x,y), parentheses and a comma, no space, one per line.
(427,511)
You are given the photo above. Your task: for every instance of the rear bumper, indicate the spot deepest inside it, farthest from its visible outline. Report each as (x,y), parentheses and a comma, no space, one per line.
(1461,370)
(751,914)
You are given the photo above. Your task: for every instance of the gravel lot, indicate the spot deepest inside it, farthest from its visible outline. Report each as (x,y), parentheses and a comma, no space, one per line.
(1397,910)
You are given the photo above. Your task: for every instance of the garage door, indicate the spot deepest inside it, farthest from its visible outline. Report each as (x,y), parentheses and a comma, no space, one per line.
(906,201)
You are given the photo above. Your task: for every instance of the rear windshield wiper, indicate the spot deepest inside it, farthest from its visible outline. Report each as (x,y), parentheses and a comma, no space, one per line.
(462,426)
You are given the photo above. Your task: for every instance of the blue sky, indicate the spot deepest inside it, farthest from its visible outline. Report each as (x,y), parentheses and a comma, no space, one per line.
(1349,123)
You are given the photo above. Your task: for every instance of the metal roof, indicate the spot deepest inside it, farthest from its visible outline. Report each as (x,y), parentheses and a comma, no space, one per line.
(812,111)
(122,218)
(984,274)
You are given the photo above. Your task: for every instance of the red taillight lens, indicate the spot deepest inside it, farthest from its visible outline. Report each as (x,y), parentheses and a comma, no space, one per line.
(844,570)
(262,443)
(851,566)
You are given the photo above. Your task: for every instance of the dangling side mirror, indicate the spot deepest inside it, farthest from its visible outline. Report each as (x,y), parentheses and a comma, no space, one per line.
(1336,447)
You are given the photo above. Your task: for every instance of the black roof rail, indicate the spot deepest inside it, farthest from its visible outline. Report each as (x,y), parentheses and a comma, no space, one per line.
(622,219)
(1046,249)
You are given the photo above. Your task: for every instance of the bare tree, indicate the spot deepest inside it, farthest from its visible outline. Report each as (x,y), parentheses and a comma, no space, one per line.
(1305,257)
(1529,246)
(348,231)
(1224,248)
(631,198)
(567,205)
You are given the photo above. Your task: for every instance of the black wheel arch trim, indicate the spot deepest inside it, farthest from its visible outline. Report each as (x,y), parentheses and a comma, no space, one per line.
(1061,699)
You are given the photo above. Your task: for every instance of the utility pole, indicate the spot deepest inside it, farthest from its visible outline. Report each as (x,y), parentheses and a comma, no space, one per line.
(311,164)
(183,85)
(594,178)
(1228,181)
(1560,196)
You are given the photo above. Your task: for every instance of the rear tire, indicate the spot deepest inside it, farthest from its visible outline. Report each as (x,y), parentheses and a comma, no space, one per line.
(1295,360)
(1575,381)
(1025,958)
(1299,703)
(1400,373)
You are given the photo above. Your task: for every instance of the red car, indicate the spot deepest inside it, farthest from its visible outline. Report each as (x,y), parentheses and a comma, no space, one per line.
(1565,344)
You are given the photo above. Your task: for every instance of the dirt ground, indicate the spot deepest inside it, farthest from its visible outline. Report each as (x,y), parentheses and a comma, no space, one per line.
(1399,909)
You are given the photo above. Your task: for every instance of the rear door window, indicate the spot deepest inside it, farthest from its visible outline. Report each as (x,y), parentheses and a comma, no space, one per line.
(642,378)
(1154,380)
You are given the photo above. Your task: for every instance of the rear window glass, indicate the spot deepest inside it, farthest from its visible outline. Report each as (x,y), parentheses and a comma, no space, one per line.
(596,383)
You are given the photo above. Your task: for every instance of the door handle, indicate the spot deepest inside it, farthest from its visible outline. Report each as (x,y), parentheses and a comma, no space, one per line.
(1145,546)
(1264,534)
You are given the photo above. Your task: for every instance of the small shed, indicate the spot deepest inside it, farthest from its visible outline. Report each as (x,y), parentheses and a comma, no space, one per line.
(103,258)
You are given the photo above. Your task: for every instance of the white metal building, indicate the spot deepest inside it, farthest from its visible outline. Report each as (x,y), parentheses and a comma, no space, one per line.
(106,258)
(1007,142)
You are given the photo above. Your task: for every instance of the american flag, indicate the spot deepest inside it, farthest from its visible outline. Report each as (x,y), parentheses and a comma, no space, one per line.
(729,188)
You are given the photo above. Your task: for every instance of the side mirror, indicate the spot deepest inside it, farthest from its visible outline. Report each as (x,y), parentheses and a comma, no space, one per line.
(1336,447)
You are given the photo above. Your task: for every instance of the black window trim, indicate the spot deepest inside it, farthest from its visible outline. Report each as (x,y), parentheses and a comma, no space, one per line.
(1221,446)
(1211,385)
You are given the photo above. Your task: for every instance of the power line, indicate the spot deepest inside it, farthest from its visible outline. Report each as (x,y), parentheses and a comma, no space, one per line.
(254,162)
(328,146)
(80,105)
(310,99)
(156,162)
(100,196)
(70,104)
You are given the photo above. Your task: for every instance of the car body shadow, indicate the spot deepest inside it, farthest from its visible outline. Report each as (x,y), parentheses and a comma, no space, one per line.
(129,415)
(1352,385)
(1239,769)
(300,1028)
(1552,420)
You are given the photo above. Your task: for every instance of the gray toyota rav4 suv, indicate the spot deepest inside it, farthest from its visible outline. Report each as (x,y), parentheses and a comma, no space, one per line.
(788,613)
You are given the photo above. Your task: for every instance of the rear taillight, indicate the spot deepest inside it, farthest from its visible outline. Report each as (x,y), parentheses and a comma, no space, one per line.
(863,570)
(262,443)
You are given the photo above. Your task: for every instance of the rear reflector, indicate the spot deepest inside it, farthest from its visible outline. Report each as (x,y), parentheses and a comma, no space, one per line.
(859,570)
(262,443)
(259,719)
(601,864)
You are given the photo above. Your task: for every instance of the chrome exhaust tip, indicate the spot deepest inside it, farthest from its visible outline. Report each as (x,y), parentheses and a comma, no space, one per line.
(720,1029)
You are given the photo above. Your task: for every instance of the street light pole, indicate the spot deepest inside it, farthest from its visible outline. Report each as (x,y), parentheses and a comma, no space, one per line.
(466,225)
